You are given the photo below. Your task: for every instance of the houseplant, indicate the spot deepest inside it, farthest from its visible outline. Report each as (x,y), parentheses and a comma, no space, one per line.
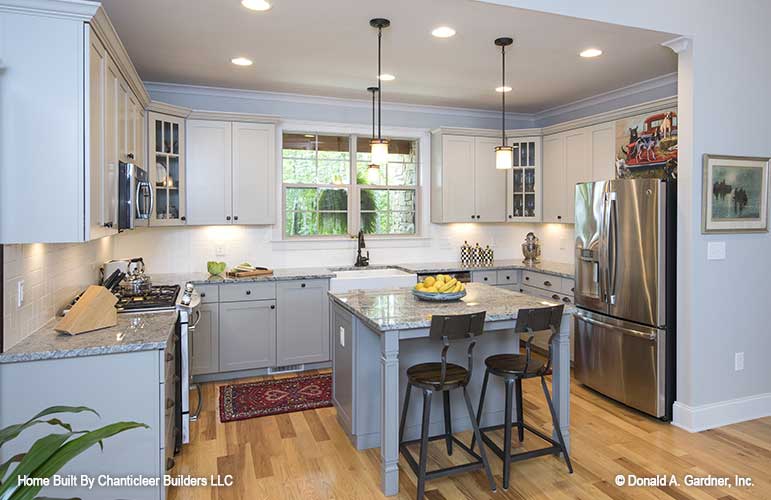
(50,453)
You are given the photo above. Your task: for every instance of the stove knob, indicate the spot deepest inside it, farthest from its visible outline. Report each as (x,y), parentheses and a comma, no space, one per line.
(189,287)
(186,300)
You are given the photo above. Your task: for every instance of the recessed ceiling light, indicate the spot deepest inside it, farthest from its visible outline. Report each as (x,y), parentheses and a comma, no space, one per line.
(590,53)
(443,32)
(309,136)
(241,61)
(256,4)
(386,77)
(505,88)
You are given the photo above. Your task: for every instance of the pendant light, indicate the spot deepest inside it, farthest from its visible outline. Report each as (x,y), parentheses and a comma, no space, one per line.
(373,169)
(504,155)
(379,146)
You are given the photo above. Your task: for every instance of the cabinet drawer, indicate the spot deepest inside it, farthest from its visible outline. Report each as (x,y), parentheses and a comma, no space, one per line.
(508,277)
(486,277)
(247,291)
(545,281)
(208,293)
(568,286)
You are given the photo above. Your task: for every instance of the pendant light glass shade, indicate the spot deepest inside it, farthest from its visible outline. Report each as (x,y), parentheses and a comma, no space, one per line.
(504,157)
(379,148)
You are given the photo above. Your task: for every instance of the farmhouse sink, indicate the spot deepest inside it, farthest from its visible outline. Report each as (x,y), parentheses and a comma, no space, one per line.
(371,279)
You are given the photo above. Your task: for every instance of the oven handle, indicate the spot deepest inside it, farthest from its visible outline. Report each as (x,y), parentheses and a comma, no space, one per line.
(199,406)
(191,328)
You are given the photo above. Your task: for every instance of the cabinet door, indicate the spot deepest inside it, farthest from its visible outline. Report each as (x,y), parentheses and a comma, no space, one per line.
(458,179)
(247,335)
(578,167)
(111,144)
(209,174)
(489,182)
(204,341)
(132,129)
(166,165)
(303,322)
(123,120)
(603,152)
(254,167)
(523,181)
(554,205)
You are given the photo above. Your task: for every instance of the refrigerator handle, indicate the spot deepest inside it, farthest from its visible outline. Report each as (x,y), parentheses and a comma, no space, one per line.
(603,262)
(612,247)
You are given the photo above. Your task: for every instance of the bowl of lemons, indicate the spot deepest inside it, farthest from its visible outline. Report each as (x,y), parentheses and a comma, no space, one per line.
(439,288)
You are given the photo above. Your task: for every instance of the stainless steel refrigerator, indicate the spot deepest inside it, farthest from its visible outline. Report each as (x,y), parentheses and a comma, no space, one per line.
(625,291)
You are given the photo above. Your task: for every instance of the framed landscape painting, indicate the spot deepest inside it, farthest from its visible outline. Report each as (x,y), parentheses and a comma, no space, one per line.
(735,194)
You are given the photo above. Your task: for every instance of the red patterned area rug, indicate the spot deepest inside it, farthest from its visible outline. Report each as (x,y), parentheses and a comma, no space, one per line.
(271,397)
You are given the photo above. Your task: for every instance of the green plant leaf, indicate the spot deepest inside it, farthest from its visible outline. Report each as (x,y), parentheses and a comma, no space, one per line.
(12,431)
(41,450)
(70,450)
(4,467)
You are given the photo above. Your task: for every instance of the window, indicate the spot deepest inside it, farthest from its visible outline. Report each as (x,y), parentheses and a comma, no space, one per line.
(328,190)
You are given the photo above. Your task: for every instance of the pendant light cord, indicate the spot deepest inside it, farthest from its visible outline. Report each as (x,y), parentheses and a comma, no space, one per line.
(379,82)
(503,95)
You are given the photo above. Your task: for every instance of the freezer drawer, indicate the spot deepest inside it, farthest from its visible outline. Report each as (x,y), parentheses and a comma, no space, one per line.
(622,360)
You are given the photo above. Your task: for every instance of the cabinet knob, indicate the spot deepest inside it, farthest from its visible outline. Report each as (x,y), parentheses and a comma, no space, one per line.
(183,218)
(248,292)
(555,297)
(227,217)
(203,294)
(508,277)
(108,224)
(273,307)
(302,285)
(527,278)
(485,278)
(559,217)
(510,216)
(547,283)
(235,218)
(566,300)
(473,216)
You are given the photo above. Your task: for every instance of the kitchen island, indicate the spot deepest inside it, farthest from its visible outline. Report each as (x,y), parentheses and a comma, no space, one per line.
(378,334)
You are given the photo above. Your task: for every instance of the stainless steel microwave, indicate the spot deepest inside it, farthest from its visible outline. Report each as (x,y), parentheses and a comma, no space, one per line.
(135,195)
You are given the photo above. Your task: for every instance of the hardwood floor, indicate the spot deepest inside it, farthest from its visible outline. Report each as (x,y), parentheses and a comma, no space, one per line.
(306,455)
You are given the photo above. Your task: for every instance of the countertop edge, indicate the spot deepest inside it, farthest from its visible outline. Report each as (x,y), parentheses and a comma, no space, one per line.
(79,353)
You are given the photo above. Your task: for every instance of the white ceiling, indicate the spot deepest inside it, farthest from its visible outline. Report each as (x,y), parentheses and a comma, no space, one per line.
(327,48)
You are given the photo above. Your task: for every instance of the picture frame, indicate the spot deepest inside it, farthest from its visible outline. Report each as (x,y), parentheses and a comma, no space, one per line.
(735,194)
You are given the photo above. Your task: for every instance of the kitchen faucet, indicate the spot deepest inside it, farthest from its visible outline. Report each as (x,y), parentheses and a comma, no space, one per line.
(361,261)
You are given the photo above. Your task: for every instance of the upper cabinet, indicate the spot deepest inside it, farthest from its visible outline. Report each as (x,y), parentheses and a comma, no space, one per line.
(166,150)
(58,182)
(572,157)
(231,170)
(523,184)
(465,185)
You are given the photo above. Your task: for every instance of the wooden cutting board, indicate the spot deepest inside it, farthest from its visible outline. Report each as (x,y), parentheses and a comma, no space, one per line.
(95,309)
(250,274)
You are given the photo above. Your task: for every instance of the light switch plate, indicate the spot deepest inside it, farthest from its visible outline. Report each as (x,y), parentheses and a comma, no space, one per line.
(716,250)
(342,337)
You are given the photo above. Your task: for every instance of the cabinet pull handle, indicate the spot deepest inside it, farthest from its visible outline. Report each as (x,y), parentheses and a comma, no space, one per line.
(227,217)
(272,307)
(547,283)
(169,356)
(248,292)
(302,285)
(235,218)
(566,300)
(108,224)
(555,297)
(169,463)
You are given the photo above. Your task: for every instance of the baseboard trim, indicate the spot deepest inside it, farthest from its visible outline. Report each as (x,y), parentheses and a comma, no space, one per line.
(703,417)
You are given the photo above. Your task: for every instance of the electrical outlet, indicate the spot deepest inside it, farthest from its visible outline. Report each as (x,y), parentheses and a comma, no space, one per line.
(342,337)
(19,294)
(738,361)
(716,250)
(219,250)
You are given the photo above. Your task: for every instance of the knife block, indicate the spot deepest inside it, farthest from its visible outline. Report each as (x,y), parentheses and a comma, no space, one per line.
(95,309)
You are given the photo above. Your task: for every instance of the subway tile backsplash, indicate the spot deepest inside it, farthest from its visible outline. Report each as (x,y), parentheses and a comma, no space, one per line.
(53,274)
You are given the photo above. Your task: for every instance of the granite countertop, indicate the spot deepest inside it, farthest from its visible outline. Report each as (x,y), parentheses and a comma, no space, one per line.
(134,332)
(303,273)
(398,309)
(555,268)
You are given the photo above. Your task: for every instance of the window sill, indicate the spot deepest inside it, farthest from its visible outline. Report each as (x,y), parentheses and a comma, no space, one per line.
(347,242)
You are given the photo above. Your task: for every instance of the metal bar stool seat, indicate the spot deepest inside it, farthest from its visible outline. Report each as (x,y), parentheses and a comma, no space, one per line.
(444,377)
(513,369)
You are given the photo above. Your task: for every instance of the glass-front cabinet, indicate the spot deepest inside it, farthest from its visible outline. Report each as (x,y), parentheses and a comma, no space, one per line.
(523,185)
(167,168)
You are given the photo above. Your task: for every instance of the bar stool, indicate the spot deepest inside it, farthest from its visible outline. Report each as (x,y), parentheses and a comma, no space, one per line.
(444,377)
(513,368)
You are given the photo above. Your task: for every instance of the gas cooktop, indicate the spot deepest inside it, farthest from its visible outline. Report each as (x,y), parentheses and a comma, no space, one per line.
(153,298)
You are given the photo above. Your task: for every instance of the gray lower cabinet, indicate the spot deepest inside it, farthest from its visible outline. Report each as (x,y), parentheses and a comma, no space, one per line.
(247,337)
(302,334)
(204,341)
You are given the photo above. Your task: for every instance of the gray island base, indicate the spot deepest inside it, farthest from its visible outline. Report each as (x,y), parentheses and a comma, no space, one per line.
(378,334)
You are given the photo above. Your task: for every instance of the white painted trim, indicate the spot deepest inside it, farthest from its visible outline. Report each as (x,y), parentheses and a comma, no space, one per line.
(197,114)
(169,109)
(623,92)
(709,416)
(259,95)
(678,45)
(68,9)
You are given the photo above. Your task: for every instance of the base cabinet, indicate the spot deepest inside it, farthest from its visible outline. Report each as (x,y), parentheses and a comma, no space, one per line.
(247,335)
(204,341)
(302,334)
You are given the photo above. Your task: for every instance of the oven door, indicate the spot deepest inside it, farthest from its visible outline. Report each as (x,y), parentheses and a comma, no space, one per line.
(189,318)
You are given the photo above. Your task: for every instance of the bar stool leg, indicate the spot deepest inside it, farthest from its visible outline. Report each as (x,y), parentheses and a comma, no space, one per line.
(556,425)
(507,434)
(479,408)
(404,412)
(447,422)
(482,452)
(424,443)
(520,412)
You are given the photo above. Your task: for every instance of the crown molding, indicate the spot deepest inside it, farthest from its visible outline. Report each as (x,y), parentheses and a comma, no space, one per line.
(67,9)
(678,45)
(169,109)
(104,29)
(621,93)
(616,114)
(266,96)
(199,114)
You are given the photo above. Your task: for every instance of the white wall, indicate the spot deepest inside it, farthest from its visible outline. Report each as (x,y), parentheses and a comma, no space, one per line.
(52,274)
(724,108)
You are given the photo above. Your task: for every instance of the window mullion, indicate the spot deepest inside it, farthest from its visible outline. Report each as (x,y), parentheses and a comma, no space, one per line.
(354,206)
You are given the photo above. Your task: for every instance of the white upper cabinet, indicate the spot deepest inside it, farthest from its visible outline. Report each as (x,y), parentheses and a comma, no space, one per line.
(230,172)
(254,169)
(167,168)
(465,185)
(209,172)
(489,182)
(66,122)
(603,151)
(578,167)
(554,203)
(523,182)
